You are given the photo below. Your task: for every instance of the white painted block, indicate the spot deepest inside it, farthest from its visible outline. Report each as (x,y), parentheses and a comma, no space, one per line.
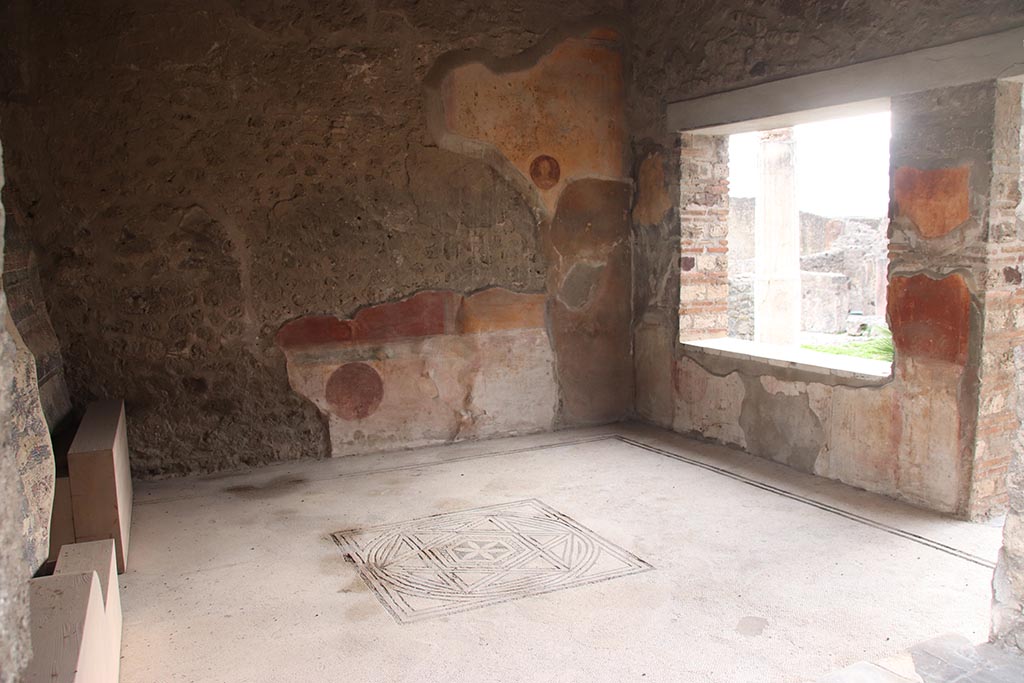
(69,630)
(101,483)
(99,556)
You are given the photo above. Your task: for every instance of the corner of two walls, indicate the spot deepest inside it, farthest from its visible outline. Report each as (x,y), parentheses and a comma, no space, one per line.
(919,436)
(656,259)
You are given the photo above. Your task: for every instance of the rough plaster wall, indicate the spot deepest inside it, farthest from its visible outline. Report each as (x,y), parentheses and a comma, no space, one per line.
(15,647)
(1000,451)
(206,172)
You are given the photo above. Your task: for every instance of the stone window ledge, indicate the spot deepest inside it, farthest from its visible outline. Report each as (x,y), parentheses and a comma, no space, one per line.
(792,357)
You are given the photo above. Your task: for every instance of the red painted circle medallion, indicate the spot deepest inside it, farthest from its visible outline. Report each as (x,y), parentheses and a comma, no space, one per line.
(545,172)
(354,391)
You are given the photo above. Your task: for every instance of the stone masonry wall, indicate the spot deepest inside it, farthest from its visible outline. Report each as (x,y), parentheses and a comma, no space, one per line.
(1008,582)
(998,419)
(195,176)
(999,454)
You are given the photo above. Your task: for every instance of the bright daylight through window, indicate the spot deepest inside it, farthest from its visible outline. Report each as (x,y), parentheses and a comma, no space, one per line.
(807,240)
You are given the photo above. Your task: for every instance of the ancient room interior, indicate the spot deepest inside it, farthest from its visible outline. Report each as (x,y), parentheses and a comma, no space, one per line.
(596,340)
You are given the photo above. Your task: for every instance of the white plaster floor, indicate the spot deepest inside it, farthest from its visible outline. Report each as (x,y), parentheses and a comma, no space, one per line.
(757,578)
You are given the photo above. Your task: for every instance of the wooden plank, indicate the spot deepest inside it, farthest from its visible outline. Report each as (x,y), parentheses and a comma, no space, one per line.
(850,90)
(69,630)
(100,557)
(100,473)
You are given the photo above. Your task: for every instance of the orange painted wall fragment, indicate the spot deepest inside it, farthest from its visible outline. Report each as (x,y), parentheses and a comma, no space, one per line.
(423,314)
(568,106)
(930,318)
(499,309)
(936,201)
(653,200)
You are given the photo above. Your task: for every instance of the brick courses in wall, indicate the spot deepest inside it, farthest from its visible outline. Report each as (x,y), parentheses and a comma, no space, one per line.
(704,244)
(998,414)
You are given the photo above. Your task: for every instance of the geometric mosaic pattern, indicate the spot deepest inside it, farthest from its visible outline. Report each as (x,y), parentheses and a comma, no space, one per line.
(449,563)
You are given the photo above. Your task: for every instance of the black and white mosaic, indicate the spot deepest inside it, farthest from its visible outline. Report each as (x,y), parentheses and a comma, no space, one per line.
(450,563)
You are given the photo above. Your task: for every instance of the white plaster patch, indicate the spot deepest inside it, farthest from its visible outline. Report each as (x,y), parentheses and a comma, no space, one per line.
(777,386)
(708,404)
(863,436)
(929,456)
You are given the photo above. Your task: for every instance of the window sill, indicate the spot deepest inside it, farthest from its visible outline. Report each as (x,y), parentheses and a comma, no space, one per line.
(794,358)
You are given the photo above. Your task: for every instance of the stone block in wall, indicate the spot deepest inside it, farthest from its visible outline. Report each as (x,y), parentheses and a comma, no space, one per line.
(825,302)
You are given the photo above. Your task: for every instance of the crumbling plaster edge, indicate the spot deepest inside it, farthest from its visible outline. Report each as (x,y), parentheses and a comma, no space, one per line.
(722,366)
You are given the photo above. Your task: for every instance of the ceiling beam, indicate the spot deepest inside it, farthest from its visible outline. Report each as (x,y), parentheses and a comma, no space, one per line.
(850,90)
